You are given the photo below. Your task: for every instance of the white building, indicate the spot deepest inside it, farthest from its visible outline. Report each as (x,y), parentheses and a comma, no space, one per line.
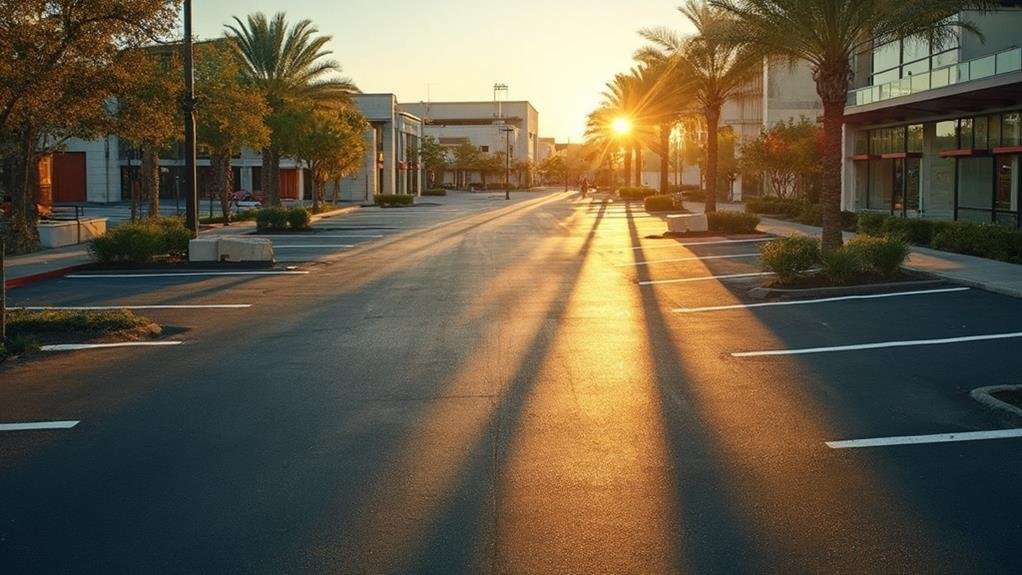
(490,126)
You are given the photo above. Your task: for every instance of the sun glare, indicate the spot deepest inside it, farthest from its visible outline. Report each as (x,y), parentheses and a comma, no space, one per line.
(621,126)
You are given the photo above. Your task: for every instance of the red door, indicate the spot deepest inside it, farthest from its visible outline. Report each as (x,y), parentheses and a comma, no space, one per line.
(69,177)
(289,184)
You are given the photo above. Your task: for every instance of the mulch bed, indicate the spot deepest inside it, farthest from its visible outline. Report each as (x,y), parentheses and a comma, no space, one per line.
(821,281)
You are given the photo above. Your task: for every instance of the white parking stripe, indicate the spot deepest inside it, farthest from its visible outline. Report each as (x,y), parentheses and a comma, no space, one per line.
(37,425)
(923,439)
(880,345)
(183,274)
(84,346)
(812,301)
(713,243)
(116,307)
(309,236)
(316,246)
(690,259)
(705,278)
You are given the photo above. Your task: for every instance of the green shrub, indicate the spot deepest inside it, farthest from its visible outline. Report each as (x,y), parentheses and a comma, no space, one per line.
(913,231)
(40,321)
(991,241)
(660,203)
(18,345)
(881,255)
(299,218)
(787,207)
(384,200)
(872,224)
(137,243)
(271,218)
(694,195)
(841,265)
(849,221)
(732,222)
(790,257)
(638,194)
(675,188)
(811,215)
(435,192)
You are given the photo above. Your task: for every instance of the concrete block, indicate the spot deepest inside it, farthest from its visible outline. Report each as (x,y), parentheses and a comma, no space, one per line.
(241,249)
(681,223)
(204,250)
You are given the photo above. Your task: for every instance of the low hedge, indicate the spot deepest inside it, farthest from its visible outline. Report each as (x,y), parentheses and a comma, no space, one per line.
(695,195)
(299,218)
(272,218)
(638,194)
(991,241)
(660,203)
(386,200)
(142,242)
(435,192)
(878,255)
(790,257)
(773,205)
(732,222)
(26,322)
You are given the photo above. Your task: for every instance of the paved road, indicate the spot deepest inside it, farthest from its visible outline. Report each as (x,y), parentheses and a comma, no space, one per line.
(487,388)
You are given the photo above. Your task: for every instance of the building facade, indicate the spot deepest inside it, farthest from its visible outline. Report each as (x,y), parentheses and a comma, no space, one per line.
(391,163)
(936,131)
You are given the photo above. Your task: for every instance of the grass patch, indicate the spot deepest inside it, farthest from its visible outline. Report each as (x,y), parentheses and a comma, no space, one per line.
(28,323)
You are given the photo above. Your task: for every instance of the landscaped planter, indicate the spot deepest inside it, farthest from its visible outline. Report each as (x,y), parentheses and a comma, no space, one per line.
(59,233)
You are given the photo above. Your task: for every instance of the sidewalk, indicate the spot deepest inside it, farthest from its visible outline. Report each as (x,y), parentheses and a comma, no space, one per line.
(989,275)
(50,263)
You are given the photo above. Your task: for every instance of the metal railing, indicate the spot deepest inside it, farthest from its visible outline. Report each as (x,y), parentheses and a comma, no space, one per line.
(1003,62)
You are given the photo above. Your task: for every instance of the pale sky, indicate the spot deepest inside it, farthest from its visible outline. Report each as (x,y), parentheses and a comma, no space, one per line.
(555,53)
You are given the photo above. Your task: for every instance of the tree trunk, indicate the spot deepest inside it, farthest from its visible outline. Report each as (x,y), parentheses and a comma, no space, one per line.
(223,182)
(712,119)
(151,180)
(25,217)
(628,166)
(830,199)
(665,158)
(638,165)
(318,192)
(269,176)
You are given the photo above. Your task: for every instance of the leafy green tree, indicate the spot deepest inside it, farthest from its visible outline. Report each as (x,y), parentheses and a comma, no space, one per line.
(287,64)
(231,116)
(789,155)
(716,70)
(465,159)
(434,158)
(827,34)
(62,63)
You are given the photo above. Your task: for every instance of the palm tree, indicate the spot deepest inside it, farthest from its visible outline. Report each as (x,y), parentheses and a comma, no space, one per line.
(287,64)
(827,34)
(715,70)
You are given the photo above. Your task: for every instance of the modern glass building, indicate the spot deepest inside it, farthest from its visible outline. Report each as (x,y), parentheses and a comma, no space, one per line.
(936,131)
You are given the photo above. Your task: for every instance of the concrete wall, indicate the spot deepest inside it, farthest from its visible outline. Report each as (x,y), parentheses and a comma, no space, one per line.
(102,168)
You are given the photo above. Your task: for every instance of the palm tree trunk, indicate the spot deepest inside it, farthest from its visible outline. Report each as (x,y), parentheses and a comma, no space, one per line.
(638,165)
(628,166)
(712,118)
(830,199)
(665,158)
(269,176)
(151,177)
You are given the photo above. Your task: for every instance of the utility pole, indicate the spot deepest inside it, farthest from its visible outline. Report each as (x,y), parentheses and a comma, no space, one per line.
(498,88)
(188,106)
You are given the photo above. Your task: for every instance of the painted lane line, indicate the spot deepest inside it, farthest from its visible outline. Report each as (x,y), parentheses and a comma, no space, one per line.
(133,307)
(813,301)
(689,259)
(184,274)
(924,439)
(705,278)
(314,246)
(309,237)
(85,346)
(880,345)
(37,425)
(713,243)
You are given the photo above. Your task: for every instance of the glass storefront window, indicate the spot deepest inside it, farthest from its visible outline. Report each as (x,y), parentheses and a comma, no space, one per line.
(886,57)
(861,184)
(945,58)
(912,184)
(975,183)
(946,132)
(993,131)
(862,142)
(915,48)
(965,133)
(979,133)
(915,138)
(1006,197)
(1010,129)
(939,197)
(881,181)
(897,139)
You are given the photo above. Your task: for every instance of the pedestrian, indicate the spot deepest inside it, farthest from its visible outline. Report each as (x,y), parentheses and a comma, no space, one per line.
(584,186)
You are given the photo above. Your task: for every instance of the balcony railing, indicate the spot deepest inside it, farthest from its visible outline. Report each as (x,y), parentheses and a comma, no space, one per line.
(1002,62)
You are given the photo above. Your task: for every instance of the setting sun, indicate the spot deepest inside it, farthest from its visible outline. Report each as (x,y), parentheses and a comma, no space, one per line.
(621,125)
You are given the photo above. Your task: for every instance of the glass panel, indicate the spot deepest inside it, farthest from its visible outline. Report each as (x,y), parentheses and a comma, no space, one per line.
(915,138)
(994,131)
(861,184)
(1009,61)
(912,184)
(979,133)
(959,73)
(946,136)
(881,179)
(920,67)
(1010,129)
(920,82)
(886,57)
(897,139)
(974,216)
(1007,219)
(975,183)
(965,133)
(939,196)
(982,67)
(1006,197)
(915,48)
(940,78)
(885,77)
(861,142)
(898,187)
(945,58)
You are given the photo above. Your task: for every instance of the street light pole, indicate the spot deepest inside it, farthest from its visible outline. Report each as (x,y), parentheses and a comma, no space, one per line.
(188,106)
(507,163)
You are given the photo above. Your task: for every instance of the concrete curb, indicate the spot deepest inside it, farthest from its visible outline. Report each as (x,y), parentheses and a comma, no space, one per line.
(42,276)
(985,396)
(763,293)
(985,286)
